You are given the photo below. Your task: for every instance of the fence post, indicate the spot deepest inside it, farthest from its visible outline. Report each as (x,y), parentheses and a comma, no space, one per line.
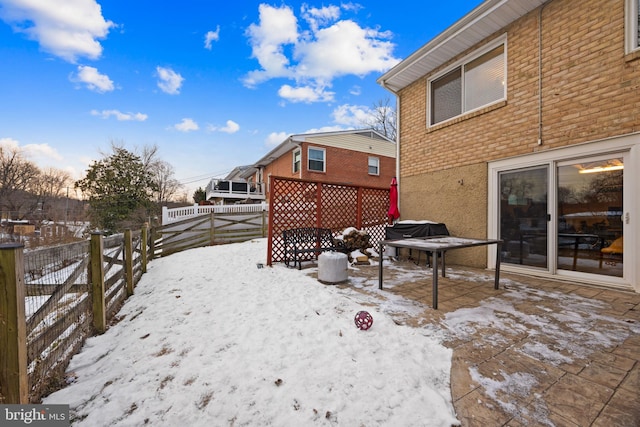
(14,382)
(359,209)
(212,233)
(97,284)
(165,215)
(144,239)
(128,261)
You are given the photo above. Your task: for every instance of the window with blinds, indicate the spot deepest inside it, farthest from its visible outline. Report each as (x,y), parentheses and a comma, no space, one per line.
(316,159)
(472,85)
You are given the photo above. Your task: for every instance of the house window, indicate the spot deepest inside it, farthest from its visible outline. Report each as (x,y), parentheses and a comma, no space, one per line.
(316,159)
(296,161)
(632,25)
(473,84)
(374,166)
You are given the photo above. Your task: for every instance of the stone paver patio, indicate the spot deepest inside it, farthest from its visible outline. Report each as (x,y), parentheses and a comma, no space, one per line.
(536,352)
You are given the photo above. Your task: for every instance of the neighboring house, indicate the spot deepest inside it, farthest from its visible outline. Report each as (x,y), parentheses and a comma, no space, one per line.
(239,186)
(354,157)
(521,121)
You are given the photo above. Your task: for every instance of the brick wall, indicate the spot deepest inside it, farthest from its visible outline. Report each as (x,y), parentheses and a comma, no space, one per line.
(589,91)
(342,166)
(351,167)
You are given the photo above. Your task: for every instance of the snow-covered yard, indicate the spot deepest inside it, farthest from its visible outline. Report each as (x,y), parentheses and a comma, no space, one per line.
(209,339)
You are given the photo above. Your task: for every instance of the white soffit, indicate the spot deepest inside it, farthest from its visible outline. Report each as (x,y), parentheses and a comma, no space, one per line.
(483,21)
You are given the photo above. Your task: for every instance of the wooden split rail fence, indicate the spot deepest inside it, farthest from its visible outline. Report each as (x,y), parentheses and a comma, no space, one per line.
(53,299)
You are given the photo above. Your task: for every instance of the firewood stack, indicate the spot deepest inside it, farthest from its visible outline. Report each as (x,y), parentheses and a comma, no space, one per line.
(356,240)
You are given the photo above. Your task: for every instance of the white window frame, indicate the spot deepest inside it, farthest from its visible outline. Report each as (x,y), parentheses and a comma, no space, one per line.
(502,40)
(296,153)
(324,159)
(631,12)
(376,160)
(627,146)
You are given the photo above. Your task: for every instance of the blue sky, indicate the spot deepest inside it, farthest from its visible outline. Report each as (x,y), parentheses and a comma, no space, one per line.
(213,84)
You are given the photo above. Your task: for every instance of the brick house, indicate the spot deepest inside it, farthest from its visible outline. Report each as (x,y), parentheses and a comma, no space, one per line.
(521,121)
(354,157)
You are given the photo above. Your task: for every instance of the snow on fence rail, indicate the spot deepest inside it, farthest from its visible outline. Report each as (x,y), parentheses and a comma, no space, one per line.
(170,215)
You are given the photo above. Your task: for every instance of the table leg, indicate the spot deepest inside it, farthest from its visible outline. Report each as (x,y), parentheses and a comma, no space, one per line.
(435,279)
(498,254)
(381,255)
(575,253)
(444,267)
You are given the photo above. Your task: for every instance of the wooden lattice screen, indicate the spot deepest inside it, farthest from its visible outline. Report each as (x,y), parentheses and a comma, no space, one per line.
(296,203)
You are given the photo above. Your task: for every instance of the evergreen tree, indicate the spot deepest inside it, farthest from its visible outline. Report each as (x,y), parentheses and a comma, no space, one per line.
(119,189)
(199,195)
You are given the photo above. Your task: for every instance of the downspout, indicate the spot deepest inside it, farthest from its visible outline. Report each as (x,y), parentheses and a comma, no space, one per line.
(384,85)
(299,146)
(540,73)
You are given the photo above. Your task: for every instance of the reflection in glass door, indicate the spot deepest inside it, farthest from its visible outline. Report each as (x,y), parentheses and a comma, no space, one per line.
(590,216)
(524,216)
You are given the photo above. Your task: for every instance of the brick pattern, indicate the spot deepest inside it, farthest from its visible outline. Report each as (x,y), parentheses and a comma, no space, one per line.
(589,92)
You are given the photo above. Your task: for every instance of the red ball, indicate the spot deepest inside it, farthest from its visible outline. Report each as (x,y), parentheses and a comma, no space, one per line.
(363,320)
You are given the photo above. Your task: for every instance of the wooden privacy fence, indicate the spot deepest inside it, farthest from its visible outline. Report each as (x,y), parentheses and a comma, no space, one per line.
(296,203)
(52,299)
(208,229)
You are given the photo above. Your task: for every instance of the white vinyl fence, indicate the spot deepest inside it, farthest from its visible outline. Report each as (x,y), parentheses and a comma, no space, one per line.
(178,214)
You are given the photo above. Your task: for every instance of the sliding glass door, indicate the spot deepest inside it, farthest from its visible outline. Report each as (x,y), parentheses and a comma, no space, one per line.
(524,216)
(564,217)
(590,214)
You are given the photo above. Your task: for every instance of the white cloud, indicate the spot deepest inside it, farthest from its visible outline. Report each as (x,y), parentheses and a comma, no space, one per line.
(211,36)
(278,27)
(326,129)
(314,56)
(231,127)
(345,48)
(91,77)
(169,81)
(352,115)
(316,17)
(120,116)
(305,94)
(65,28)
(38,153)
(186,125)
(275,138)
(9,143)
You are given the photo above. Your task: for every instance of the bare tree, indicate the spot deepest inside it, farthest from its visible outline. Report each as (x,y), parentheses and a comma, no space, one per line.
(167,185)
(52,185)
(162,173)
(17,177)
(383,119)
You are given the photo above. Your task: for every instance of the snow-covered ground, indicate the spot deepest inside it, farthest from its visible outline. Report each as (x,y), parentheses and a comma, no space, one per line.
(209,339)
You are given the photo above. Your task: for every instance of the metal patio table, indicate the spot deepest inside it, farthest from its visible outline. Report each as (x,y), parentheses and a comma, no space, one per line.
(437,246)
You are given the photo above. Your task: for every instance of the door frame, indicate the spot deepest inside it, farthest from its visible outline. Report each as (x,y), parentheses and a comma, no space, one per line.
(629,147)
